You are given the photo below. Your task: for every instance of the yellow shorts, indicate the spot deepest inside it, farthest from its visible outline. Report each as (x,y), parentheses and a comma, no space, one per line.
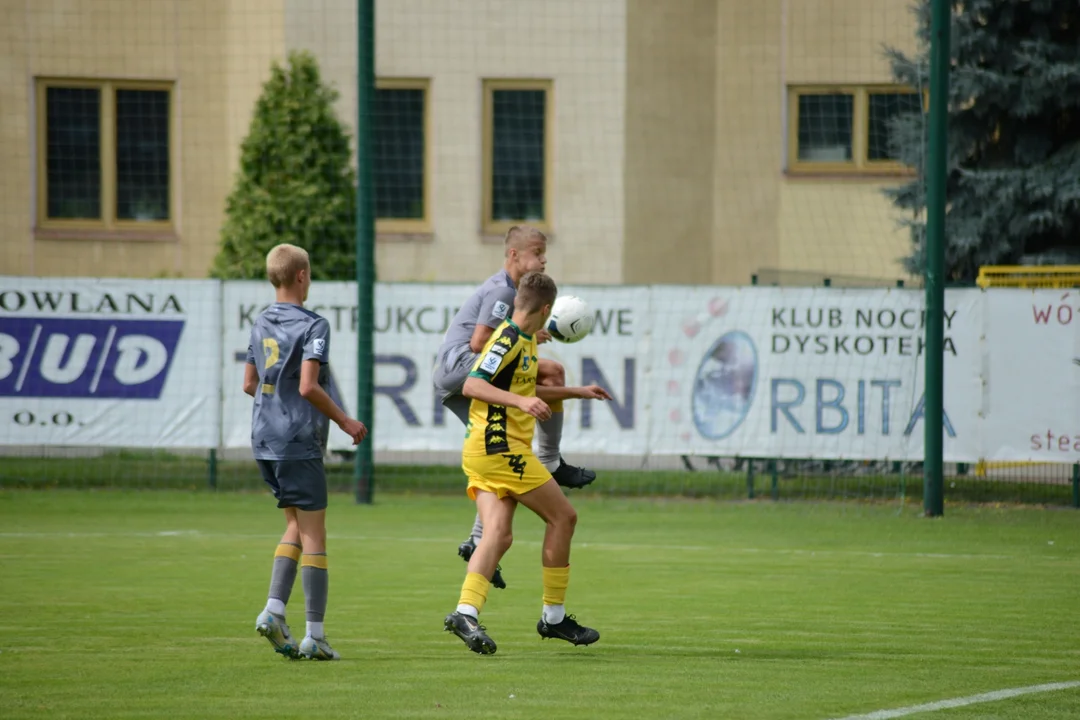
(504,473)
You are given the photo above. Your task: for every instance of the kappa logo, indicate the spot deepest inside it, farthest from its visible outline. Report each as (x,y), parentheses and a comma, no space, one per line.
(503,340)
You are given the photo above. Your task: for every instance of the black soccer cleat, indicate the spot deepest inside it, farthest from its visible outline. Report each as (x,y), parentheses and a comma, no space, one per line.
(568,630)
(471,633)
(465,550)
(572,477)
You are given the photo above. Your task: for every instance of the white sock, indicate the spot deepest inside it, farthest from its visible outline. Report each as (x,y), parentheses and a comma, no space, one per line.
(275,607)
(554,614)
(315,630)
(552,465)
(468,610)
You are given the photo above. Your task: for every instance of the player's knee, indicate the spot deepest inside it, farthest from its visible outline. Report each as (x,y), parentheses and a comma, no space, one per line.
(565,522)
(556,376)
(501,539)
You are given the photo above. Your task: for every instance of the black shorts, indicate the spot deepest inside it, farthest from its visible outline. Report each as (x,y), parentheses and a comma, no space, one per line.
(298,484)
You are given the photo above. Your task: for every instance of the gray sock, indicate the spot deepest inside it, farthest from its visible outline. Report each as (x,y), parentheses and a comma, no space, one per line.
(316,581)
(283,576)
(549,436)
(477,530)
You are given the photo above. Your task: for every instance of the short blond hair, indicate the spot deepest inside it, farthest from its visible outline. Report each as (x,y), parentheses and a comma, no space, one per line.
(534,291)
(519,235)
(283,262)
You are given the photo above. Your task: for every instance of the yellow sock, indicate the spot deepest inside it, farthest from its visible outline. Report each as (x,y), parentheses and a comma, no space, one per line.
(556,406)
(555,583)
(288,550)
(474,591)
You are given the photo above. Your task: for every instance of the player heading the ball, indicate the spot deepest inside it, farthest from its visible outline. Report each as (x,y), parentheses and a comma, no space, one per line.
(498,460)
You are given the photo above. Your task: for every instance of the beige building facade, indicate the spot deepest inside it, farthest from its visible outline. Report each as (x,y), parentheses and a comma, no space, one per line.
(690,141)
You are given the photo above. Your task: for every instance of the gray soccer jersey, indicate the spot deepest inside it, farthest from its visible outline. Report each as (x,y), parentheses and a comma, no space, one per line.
(285,426)
(492,303)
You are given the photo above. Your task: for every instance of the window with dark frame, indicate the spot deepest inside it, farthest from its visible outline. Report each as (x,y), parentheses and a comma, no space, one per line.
(518,155)
(399,148)
(104,185)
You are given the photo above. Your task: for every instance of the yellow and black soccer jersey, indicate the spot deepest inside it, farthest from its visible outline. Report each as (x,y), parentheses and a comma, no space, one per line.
(508,361)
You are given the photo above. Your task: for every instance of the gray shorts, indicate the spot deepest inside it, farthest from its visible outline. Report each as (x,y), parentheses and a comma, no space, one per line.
(298,484)
(449,377)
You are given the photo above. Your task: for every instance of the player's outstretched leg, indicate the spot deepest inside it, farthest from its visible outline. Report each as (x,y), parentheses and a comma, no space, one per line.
(466,549)
(549,433)
(560,518)
(271,621)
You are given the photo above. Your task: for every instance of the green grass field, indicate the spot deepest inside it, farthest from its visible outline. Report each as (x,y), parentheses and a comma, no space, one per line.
(121,604)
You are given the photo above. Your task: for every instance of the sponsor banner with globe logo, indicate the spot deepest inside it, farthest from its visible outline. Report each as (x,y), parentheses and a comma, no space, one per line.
(808,373)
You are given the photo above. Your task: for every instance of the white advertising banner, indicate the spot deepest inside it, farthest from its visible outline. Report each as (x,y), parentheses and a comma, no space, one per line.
(808,373)
(109,362)
(1033,376)
(410,321)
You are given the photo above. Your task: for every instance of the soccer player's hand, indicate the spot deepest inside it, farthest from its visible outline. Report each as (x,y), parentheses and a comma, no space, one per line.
(542,336)
(593,392)
(354,429)
(536,407)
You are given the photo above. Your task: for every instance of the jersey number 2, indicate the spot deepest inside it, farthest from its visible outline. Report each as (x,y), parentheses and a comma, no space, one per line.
(271,355)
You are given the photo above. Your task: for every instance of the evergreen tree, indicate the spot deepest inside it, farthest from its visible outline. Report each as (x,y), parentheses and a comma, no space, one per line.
(295,183)
(1013,189)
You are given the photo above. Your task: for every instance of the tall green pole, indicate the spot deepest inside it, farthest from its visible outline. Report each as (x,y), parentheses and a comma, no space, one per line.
(364,469)
(936,173)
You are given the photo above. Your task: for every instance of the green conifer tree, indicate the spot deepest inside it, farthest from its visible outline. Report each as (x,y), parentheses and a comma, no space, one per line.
(295,182)
(1013,190)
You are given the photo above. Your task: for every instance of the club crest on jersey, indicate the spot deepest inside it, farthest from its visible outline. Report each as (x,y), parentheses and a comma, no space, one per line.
(499,309)
(524,362)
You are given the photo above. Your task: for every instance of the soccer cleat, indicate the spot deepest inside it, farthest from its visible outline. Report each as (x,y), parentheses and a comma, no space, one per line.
(317,649)
(471,632)
(572,477)
(273,628)
(465,551)
(568,630)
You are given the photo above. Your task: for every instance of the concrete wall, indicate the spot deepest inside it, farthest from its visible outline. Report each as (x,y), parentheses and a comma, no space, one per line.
(216,52)
(669,131)
(578,45)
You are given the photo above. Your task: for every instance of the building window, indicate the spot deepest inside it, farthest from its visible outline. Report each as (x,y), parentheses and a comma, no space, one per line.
(846,129)
(517,154)
(400,134)
(104,155)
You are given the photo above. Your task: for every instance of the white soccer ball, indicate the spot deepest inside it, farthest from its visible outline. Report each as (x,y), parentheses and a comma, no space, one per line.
(571,319)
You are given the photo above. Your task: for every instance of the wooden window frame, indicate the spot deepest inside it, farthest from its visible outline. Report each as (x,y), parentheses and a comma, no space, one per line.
(859,164)
(499,227)
(107,225)
(423,225)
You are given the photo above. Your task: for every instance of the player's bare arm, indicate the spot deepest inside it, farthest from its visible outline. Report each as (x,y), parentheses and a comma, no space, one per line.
(311,391)
(587,392)
(479,389)
(251,379)
(481,334)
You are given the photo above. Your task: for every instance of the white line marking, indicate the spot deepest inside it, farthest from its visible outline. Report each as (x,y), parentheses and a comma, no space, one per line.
(102,359)
(29,356)
(537,543)
(961,702)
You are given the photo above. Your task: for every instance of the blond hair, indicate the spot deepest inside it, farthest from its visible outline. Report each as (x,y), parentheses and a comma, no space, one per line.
(519,235)
(283,262)
(535,290)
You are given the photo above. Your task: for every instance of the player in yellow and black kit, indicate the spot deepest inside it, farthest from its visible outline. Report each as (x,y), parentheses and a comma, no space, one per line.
(503,471)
